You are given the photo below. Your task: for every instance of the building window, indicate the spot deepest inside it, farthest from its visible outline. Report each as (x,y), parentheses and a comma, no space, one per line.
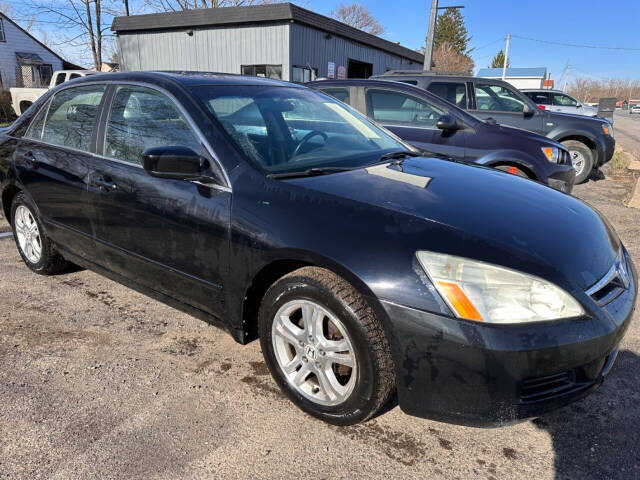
(303,74)
(2,36)
(31,71)
(268,71)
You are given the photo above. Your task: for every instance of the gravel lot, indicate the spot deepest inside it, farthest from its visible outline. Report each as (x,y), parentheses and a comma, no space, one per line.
(97,381)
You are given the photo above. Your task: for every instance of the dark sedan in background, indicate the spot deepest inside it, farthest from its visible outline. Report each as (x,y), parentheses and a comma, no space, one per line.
(437,126)
(589,140)
(277,212)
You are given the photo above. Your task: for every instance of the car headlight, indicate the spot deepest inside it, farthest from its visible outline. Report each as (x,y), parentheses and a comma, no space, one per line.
(487,293)
(607,129)
(551,153)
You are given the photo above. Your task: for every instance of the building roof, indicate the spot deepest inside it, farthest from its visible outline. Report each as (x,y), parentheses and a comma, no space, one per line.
(273,13)
(65,64)
(537,72)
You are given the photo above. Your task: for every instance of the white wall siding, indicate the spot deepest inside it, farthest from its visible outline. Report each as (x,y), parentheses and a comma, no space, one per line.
(311,46)
(522,82)
(18,41)
(214,50)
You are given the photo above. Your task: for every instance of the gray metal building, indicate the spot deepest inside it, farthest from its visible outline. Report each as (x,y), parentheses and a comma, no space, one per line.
(279,40)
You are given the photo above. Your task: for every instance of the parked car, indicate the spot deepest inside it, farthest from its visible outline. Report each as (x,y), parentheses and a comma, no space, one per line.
(23,98)
(589,140)
(634,109)
(277,212)
(437,126)
(558,101)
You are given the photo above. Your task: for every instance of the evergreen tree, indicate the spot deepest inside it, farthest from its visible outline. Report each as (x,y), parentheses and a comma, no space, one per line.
(451,30)
(498,61)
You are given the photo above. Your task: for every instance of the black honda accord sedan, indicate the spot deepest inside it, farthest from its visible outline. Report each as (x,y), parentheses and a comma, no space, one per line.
(276,212)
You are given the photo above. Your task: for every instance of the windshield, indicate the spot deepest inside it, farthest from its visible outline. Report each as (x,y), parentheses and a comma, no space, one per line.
(289,129)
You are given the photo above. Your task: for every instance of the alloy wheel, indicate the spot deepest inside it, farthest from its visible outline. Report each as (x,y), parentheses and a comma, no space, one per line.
(28,234)
(314,352)
(578,161)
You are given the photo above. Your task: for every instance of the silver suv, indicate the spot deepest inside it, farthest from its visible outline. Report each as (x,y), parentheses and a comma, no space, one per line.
(558,101)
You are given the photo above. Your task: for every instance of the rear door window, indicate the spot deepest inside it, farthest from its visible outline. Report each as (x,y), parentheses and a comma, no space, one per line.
(455,93)
(142,118)
(391,107)
(72,116)
(541,98)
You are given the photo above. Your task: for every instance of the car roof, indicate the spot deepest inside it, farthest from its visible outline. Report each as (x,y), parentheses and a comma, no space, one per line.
(435,77)
(186,78)
(542,90)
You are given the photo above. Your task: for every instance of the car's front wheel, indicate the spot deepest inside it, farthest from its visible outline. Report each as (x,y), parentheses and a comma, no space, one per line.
(325,347)
(35,248)
(581,159)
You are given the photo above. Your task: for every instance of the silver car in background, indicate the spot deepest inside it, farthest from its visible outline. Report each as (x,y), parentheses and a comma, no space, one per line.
(558,101)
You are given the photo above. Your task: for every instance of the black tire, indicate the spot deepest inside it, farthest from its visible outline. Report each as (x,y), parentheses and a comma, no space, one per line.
(575,146)
(50,261)
(375,379)
(512,170)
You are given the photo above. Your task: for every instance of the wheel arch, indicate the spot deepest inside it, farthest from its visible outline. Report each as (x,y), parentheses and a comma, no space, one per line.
(8,194)
(512,163)
(282,265)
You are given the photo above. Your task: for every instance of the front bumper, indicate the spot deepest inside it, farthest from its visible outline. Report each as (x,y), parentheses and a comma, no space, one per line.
(562,178)
(607,152)
(484,375)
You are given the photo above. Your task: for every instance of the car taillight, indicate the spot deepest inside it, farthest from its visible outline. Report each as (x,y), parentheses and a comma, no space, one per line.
(542,107)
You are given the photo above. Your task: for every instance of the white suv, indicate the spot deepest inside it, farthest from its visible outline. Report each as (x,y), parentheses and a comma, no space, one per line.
(558,101)
(634,109)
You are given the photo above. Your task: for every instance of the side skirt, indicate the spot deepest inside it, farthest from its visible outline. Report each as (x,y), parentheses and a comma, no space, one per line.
(238,335)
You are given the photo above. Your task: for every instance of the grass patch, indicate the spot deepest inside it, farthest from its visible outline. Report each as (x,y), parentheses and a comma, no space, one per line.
(619,163)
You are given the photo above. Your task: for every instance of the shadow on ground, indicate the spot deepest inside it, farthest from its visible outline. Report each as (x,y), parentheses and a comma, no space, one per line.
(599,437)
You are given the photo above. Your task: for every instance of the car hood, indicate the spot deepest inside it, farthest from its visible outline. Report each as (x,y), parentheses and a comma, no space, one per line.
(524,134)
(485,214)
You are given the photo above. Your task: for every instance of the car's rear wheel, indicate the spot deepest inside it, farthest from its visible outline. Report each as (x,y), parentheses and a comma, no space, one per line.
(325,347)
(581,159)
(35,248)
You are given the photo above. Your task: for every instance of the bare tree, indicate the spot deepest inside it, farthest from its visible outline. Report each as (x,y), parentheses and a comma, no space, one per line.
(81,25)
(177,5)
(357,16)
(447,59)
(590,90)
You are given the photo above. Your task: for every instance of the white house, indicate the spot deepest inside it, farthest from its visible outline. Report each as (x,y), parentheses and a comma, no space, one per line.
(518,77)
(25,61)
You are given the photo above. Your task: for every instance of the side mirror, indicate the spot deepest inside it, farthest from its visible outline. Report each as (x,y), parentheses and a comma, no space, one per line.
(177,163)
(578,106)
(447,123)
(527,111)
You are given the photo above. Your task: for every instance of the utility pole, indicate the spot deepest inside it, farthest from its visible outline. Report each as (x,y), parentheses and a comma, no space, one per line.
(566,78)
(428,52)
(126,7)
(506,57)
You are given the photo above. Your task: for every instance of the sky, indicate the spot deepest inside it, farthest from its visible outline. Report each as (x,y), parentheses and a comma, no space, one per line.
(586,22)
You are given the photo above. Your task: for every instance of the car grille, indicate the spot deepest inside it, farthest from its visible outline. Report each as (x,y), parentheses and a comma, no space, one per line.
(549,387)
(612,284)
(565,158)
(544,388)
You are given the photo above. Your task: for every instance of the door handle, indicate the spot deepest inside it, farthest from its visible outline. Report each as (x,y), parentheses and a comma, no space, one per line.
(104,184)
(30,159)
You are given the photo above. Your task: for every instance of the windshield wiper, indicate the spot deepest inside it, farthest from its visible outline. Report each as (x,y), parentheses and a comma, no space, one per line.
(311,172)
(397,155)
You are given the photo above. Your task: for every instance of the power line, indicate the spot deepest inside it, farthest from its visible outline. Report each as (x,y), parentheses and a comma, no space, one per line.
(475,49)
(600,47)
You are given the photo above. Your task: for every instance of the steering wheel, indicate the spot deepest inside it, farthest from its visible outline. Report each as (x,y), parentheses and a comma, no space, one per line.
(306,138)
